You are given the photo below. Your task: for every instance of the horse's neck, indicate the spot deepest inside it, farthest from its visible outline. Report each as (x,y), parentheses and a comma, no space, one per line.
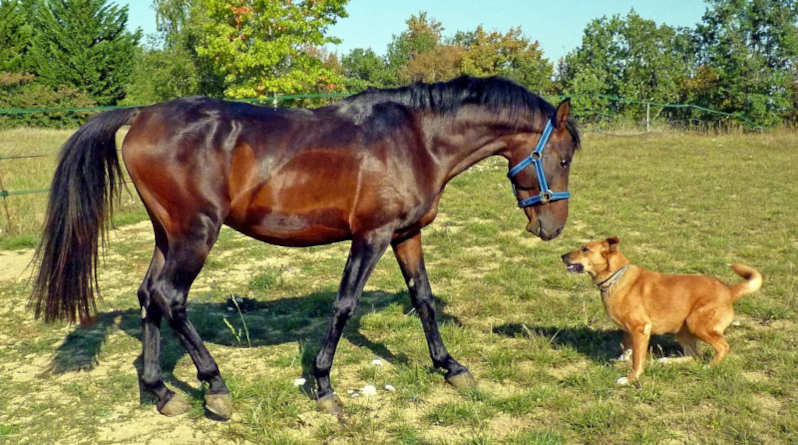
(457,145)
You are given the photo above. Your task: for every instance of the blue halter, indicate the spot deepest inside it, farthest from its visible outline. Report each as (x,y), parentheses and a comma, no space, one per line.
(536,158)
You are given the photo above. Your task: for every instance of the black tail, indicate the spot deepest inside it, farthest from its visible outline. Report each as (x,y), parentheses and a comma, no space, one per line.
(81,198)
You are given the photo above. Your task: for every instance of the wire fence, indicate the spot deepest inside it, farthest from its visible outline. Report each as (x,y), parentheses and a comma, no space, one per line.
(598,120)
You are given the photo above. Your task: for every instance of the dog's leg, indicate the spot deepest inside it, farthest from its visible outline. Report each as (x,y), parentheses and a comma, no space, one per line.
(715,339)
(688,342)
(626,347)
(641,333)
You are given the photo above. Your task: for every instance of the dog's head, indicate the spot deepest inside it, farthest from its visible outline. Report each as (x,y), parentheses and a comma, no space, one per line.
(596,258)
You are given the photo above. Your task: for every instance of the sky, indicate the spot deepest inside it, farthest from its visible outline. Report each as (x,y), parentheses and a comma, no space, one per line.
(557,25)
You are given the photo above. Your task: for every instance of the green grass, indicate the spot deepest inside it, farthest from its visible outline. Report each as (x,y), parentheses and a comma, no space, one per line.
(21,222)
(535,337)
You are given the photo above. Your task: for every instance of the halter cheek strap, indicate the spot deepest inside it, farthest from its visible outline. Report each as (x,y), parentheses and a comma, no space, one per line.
(536,159)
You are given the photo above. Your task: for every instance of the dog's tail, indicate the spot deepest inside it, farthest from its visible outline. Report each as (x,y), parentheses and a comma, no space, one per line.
(752,283)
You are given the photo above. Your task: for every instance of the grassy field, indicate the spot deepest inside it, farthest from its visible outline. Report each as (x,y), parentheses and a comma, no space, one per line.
(27,161)
(535,337)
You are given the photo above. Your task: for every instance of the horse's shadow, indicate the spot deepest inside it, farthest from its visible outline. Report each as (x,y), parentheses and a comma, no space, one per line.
(599,345)
(299,319)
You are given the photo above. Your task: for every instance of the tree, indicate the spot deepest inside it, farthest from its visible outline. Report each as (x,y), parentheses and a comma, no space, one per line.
(181,24)
(440,63)
(161,74)
(751,50)
(15,34)
(510,55)
(630,57)
(262,47)
(363,68)
(421,53)
(83,44)
(423,35)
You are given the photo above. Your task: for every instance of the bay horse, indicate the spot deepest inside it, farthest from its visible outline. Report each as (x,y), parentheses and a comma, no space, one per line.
(370,169)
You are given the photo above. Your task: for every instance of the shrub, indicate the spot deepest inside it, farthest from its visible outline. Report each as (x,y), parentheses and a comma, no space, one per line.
(21,91)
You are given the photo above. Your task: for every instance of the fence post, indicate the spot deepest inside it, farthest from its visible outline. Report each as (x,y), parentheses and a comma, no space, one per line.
(4,195)
(648,115)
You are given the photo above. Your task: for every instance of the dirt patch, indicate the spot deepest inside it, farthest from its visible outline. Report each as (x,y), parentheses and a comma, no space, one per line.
(14,265)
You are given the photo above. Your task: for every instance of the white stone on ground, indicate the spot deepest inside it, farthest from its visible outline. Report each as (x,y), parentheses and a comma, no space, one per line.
(369,390)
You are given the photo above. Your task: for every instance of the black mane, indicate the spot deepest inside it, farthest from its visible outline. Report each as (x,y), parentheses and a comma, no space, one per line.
(509,101)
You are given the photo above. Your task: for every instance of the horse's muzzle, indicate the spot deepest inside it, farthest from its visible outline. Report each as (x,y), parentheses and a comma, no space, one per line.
(537,229)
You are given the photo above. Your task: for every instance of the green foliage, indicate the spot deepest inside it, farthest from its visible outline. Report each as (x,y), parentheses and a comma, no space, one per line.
(24,91)
(363,68)
(161,74)
(751,49)
(83,44)
(423,35)
(629,57)
(511,55)
(15,34)
(179,70)
(740,59)
(421,53)
(264,47)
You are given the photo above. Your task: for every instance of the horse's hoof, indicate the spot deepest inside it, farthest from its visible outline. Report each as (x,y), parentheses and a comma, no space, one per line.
(220,404)
(331,404)
(462,381)
(175,406)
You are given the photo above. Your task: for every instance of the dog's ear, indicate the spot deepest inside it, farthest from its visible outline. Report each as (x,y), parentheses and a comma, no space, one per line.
(612,242)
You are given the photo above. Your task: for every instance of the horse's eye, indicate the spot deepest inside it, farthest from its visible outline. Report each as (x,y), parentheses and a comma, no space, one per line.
(564,163)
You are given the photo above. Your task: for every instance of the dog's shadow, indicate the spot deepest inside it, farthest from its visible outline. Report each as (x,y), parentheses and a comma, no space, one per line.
(303,320)
(600,345)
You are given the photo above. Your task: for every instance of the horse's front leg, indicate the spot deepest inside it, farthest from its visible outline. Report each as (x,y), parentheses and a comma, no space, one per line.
(363,256)
(411,260)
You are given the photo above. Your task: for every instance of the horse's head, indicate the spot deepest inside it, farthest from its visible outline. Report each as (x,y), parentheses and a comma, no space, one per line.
(539,167)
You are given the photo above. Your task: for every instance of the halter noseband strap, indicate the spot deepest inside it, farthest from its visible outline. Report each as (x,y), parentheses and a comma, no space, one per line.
(536,158)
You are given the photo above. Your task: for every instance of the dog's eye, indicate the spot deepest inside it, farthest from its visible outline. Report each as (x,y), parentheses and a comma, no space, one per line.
(585,249)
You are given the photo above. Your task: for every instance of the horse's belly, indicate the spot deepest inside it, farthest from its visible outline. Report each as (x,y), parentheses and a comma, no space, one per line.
(312,227)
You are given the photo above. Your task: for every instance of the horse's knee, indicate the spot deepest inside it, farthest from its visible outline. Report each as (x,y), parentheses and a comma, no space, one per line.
(345,307)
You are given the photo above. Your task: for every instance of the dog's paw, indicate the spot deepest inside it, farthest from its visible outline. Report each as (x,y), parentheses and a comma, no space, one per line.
(623,381)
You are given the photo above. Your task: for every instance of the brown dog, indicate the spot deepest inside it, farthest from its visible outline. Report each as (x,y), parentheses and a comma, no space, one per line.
(643,302)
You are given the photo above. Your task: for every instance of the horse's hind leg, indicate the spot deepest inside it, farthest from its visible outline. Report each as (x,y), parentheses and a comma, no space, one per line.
(184,258)
(411,260)
(169,403)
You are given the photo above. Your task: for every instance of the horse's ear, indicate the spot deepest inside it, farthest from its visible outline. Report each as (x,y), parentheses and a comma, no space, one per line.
(563,113)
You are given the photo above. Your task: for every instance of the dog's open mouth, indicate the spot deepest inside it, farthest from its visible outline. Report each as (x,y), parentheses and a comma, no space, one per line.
(575,268)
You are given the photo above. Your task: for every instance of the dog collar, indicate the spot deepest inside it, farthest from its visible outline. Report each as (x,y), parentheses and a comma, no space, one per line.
(609,282)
